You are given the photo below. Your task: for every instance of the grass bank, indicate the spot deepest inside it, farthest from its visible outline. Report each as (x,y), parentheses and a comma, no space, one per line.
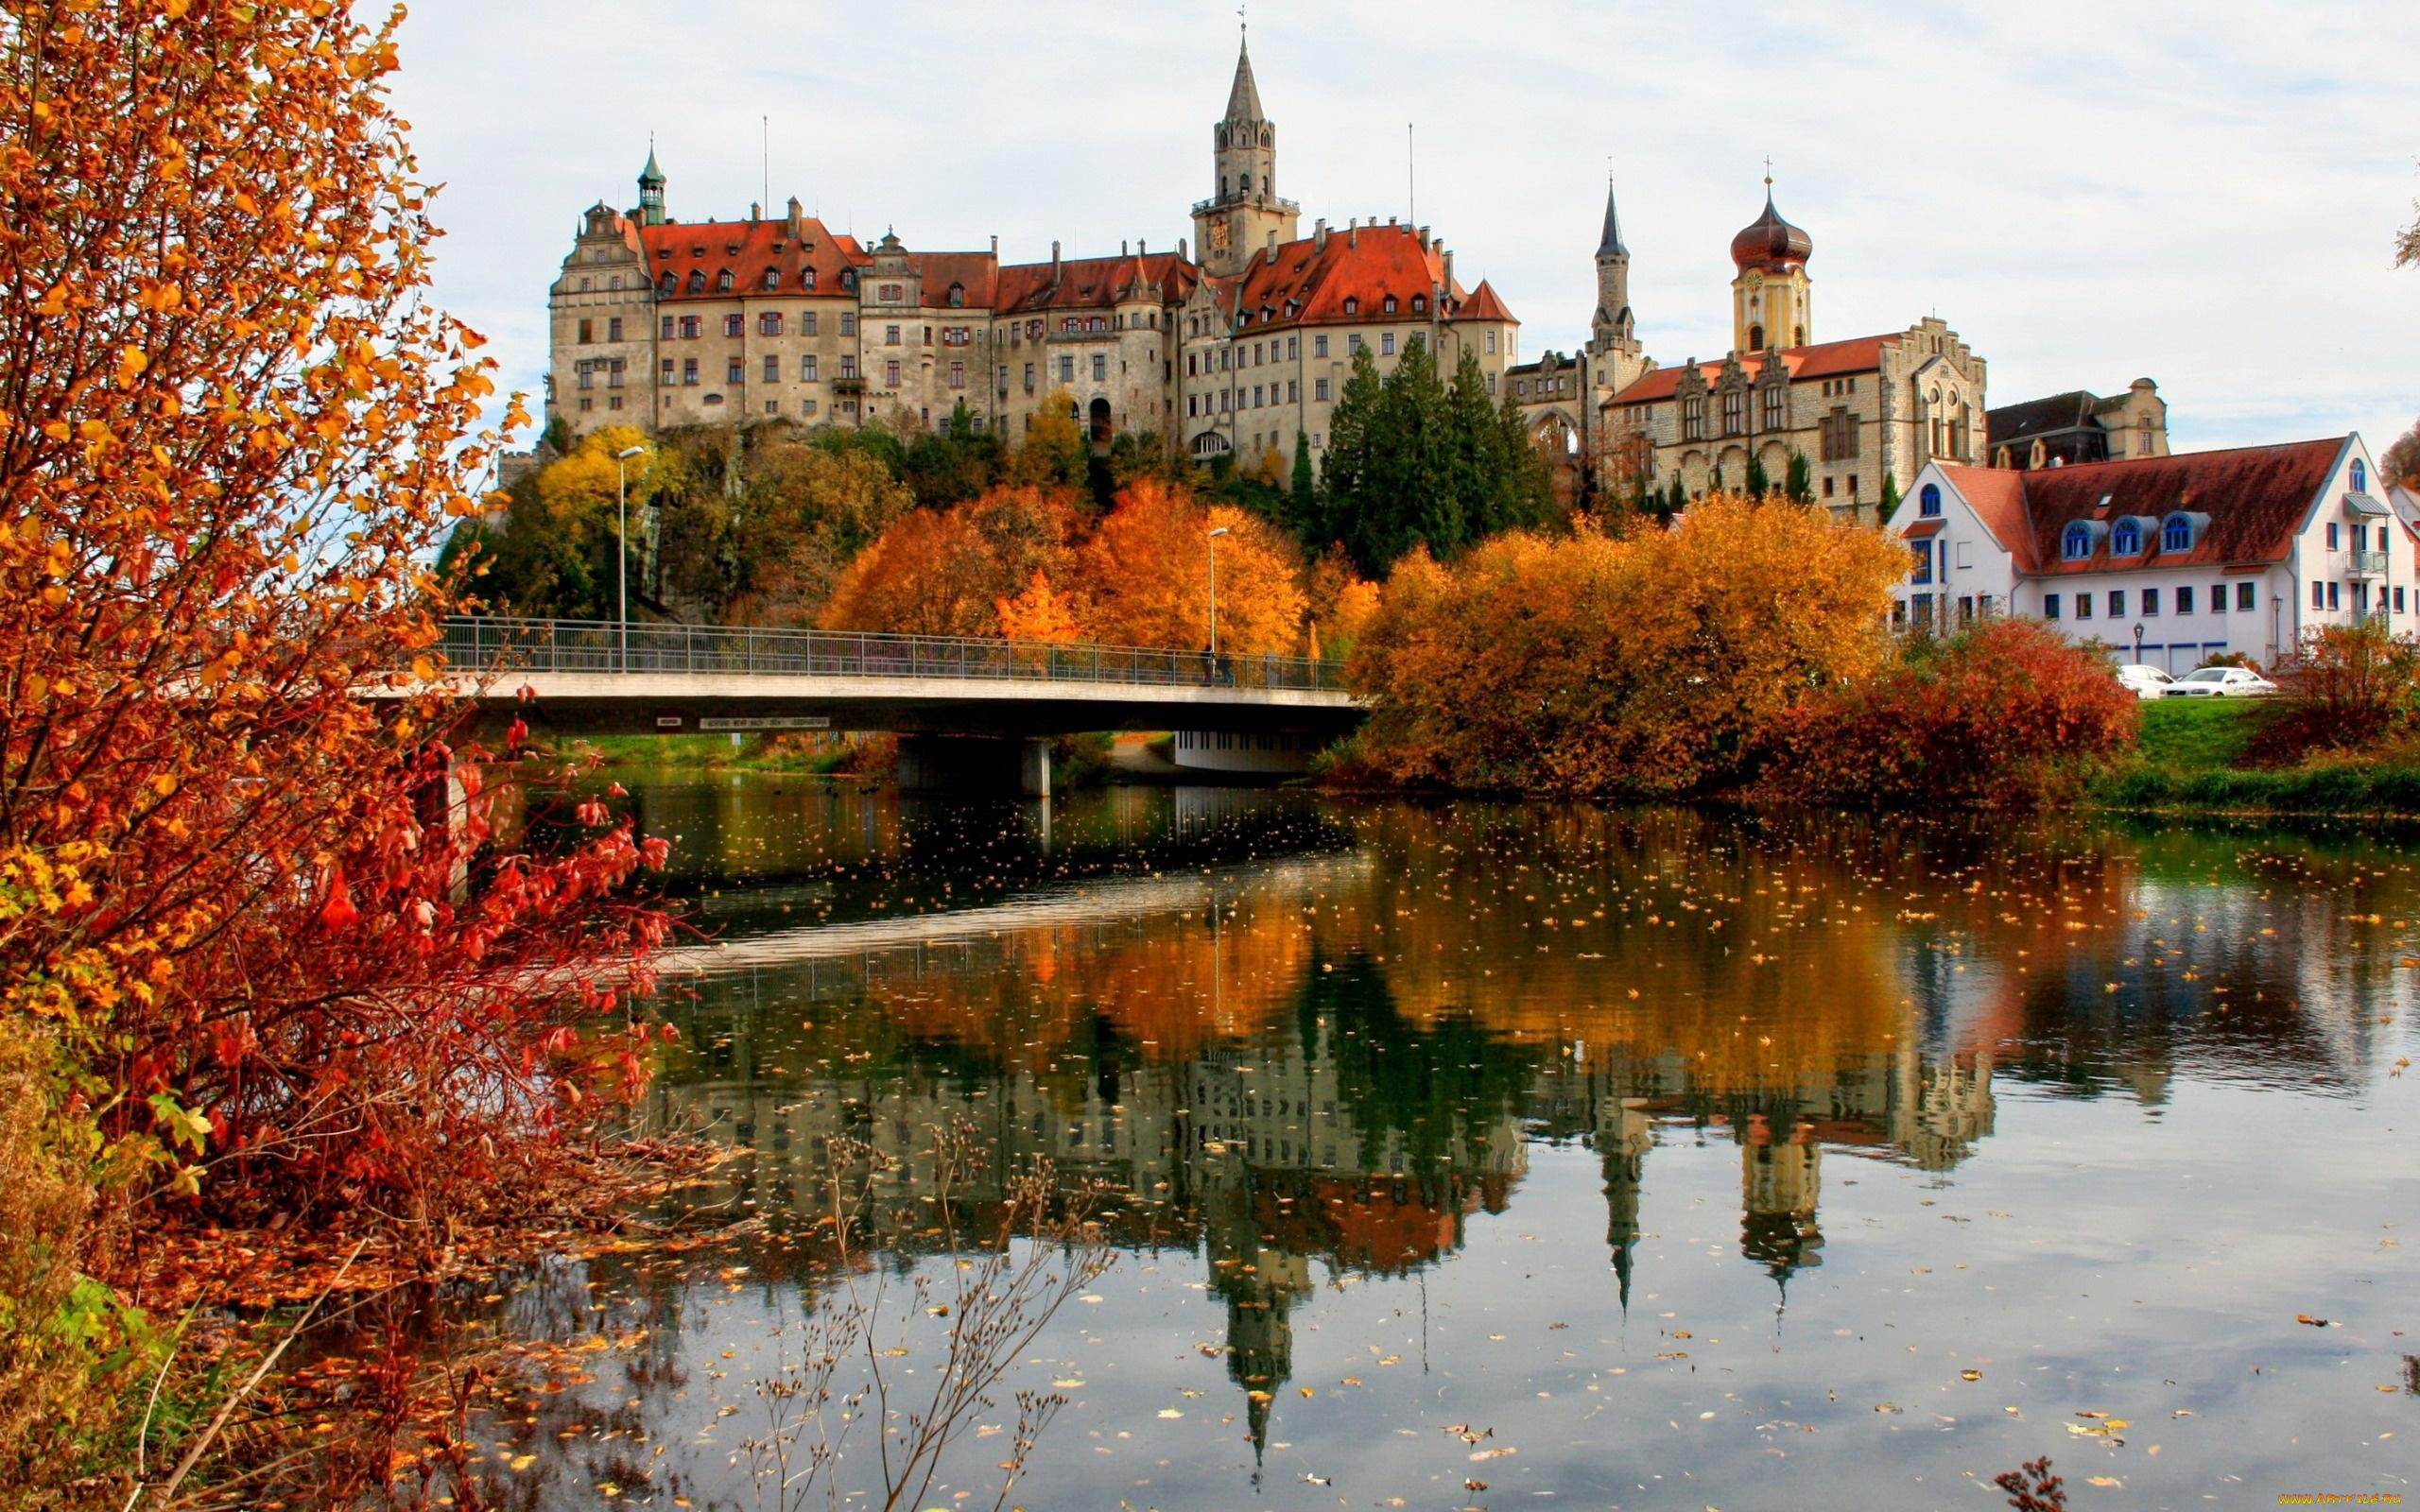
(2190,758)
(1075,761)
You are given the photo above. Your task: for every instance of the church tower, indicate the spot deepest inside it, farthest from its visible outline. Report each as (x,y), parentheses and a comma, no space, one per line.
(1230,228)
(651,189)
(1612,342)
(1771,304)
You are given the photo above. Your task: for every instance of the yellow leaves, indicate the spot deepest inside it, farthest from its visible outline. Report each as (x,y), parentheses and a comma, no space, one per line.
(55,302)
(423,670)
(131,365)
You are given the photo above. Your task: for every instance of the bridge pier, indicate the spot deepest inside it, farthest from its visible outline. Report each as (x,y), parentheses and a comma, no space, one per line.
(974,763)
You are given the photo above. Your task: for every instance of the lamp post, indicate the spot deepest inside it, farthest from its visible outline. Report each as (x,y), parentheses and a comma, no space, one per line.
(622,549)
(2139,643)
(1213,598)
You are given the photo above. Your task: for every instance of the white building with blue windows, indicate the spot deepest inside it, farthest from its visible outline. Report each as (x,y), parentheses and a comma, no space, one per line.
(2167,559)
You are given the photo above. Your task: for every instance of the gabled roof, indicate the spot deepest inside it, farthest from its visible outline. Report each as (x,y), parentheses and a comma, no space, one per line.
(1305,283)
(2035,417)
(1482,304)
(748,247)
(1091,283)
(976,274)
(2256,498)
(1828,359)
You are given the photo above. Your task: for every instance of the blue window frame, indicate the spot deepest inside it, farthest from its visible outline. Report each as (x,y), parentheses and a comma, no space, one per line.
(2077,544)
(2360,477)
(1929,499)
(2218,598)
(2126,541)
(2049,606)
(2331,534)
(1924,562)
(2177,534)
(2185,598)
(2318,596)
(2245,595)
(2335,599)
(2399,598)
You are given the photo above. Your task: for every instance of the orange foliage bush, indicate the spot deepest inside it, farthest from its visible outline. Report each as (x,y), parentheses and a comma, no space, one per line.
(232,431)
(2009,715)
(946,573)
(1146,574)
(2346,686)
(1647,665)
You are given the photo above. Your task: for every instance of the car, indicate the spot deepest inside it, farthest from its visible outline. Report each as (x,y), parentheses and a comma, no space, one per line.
(2220,682)
(2143,681)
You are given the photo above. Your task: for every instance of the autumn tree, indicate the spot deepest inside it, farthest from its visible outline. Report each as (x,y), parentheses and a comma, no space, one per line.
(247,895)
(1052,453)
(1146,575)
(1642,667)
(2401,461)
(1040,612)
(944,573)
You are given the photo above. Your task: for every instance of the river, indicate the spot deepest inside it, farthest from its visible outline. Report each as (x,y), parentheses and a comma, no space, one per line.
(1471,1155)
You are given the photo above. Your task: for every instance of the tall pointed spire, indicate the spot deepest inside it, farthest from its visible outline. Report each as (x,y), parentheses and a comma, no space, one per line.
(1610,243)
(1243,99)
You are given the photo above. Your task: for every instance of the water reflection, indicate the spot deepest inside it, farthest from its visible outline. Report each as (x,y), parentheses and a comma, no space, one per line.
(1314,1045)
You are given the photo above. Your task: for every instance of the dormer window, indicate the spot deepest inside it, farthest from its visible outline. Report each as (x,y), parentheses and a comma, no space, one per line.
(772,277)
(1390,305)
(1929,502)
(806,279)
(2077,544)
(2177,533)
(957,295)
(1352,306)
(697,281)
(1419,303)
(2126,539)
(849,280)
(722,280)
(2360,477)
(665,285)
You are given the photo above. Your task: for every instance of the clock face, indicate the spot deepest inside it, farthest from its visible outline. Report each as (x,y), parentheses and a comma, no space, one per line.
(1218,232)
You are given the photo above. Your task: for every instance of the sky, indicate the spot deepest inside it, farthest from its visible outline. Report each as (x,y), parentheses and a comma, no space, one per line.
(2204,194)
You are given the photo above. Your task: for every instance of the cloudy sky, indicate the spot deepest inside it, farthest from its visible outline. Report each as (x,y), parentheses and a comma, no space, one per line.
(2203,192)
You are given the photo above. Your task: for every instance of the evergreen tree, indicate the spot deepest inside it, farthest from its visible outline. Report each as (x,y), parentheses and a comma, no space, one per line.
(1302,499)
(1678,501)
(1800,484)
(1346,472)
(1890,499)
(1758,484)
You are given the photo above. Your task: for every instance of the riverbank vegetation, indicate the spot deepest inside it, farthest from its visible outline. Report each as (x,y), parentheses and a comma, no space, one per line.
(265,966)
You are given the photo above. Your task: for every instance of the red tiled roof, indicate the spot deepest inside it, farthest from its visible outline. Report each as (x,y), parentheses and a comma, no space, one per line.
(1303,283)
(1090,282)
(1824,360)
(747,248)
(2256,498)
(1482,304)
(1997,497)
(976,274)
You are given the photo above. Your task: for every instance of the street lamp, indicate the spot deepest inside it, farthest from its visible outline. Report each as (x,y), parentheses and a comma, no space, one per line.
(622,546)
(2139,643)
(1213,598)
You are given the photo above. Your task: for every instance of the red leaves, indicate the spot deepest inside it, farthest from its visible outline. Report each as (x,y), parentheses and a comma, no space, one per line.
(338,914)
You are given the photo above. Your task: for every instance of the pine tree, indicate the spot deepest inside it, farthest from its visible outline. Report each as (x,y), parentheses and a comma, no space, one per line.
(1677,501)
(1800,484)
(1890,499)
(1303,503)
(1344,471)
(1758,484)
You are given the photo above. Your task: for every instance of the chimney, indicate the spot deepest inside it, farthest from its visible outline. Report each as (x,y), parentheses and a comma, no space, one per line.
(1353,233)
(1424,238)
(755,211)
(1449,258)
(1121,247)
(1272,241)
(1319,233)
(1054,260)
(1141,248)
(1390,220)
(796,226)
(1181,255)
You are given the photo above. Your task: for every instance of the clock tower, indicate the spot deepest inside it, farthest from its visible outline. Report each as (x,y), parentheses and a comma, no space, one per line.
(1236,223)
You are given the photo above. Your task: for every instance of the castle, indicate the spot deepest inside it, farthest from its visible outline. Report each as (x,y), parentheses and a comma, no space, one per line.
(1865,414)
(659,323)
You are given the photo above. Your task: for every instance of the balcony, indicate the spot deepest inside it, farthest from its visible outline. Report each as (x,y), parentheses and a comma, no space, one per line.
(2365,564)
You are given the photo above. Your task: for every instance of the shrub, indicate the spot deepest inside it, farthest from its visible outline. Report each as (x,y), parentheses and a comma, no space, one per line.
(2346,686)
(2008,713)
(1647,665)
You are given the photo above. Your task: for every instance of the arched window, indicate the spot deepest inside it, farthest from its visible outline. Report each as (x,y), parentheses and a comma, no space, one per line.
(1929,500)
(1756,338)
(2127,540)
(1223,186)
(723,280)
(1243,184)
(2077,544)
(2177,534)
(2361,477)
(697,281)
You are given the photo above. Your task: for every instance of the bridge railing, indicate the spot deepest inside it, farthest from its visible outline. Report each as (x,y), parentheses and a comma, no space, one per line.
(473,644)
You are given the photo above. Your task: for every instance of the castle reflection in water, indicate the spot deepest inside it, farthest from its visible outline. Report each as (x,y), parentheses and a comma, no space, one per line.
(1334,1059)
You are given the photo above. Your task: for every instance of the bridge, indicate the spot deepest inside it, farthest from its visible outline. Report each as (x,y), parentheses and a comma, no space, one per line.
(972,711)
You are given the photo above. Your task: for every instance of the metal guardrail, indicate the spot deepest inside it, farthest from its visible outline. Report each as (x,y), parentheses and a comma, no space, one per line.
(475,644)
(2367,564)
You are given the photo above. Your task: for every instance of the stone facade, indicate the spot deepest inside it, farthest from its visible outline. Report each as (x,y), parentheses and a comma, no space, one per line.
(660,324)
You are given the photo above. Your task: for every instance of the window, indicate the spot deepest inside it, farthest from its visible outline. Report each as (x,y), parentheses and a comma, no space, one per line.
(614,329)
(1773,407)
(848,365)
(1733,416)
(697,281)
(1255,396)
(2117,603)
(891,336)
(667,370)
(2399,598)
(1491,384)
(957,295)
(1101,366)
(731,325)
(2243,595)
(890,373)
(2127,540)
(772,280)
(1693,417)
(957,374)
(2318,594)
(1067,368)
(2150,601)
(613,373)
(1924,562)
(723,280)
(806,280)
(1318,345)
(1293,348)
(2381,538)
(806,324)
(956,335)
(1390,305)
(2049,606)
(2331,534)
(2185,598)
(1353,342)
(1827,487)
(1029,377)
(2334,597)
(1385,343)
(731,372)
(1352,305)
(2361,477)
(2076,544)
(1319,389)
(848,321)
(770,323)
(1293,390)
(689,372)
(890,294)
(1929,500)
(2177,534)
(2084,606)
(772,369)
(587,374)
(667,284)
(690,327)
(664,332)
(807,406)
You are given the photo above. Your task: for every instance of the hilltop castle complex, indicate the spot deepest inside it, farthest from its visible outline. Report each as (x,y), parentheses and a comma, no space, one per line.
(658,322)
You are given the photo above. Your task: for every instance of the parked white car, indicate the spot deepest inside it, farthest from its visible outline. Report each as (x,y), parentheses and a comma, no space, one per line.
(2144,681)
(2220,682)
